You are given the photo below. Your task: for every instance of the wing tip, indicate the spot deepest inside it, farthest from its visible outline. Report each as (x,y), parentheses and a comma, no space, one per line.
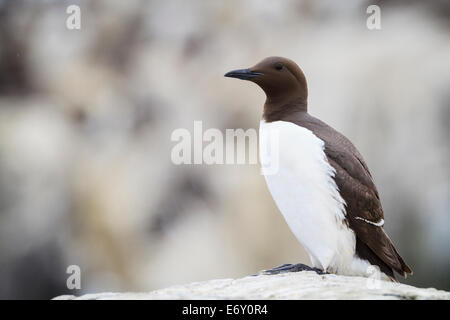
(405,270)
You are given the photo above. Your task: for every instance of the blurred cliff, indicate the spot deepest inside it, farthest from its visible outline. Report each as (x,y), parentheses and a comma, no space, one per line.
(86,117)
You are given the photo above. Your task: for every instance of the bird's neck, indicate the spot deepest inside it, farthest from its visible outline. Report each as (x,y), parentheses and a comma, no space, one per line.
(275,109)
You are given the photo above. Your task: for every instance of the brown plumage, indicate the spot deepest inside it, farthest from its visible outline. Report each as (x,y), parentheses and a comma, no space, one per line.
(286,89)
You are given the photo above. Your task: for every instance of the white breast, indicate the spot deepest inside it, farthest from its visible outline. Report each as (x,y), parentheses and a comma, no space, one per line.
(302,184)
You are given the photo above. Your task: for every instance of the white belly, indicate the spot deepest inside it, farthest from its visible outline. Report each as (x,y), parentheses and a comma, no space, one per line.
(301,182)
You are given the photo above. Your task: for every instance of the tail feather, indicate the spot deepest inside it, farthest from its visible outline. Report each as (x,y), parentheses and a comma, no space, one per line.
(385,257)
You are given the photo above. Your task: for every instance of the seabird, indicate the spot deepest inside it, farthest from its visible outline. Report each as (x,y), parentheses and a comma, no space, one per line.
(323,186)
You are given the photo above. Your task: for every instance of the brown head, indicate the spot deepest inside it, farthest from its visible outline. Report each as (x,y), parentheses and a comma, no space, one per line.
(283,82)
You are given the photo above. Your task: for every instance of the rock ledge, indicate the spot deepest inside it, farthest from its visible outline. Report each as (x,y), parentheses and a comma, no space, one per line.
(300,285)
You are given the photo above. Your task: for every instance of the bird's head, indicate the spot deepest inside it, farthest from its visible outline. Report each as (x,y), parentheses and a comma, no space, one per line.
(281,79)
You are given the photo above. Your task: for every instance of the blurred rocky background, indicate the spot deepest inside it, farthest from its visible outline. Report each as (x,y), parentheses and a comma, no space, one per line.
(86,117)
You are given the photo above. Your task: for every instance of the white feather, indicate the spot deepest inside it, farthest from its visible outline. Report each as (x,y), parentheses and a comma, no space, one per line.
(377,224)
(304,190)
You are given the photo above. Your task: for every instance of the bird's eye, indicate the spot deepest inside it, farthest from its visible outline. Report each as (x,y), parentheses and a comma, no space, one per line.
(279,66)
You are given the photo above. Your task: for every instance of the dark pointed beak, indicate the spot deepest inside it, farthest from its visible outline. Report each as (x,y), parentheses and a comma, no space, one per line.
(244,74)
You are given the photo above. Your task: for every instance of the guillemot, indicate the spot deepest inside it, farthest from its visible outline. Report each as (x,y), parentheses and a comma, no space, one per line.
(323,186)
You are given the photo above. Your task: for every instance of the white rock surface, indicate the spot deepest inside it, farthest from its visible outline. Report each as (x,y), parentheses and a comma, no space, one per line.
(300,285)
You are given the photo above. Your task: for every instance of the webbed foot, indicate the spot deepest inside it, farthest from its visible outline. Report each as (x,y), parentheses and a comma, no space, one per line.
(289,267)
